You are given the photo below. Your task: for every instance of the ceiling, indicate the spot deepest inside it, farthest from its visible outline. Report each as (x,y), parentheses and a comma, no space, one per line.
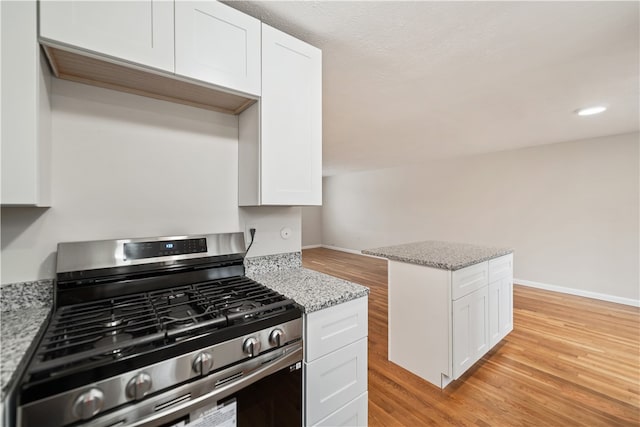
(404,82)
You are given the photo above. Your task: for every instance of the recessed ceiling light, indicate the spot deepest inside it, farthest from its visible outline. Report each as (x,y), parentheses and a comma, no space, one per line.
(591,110)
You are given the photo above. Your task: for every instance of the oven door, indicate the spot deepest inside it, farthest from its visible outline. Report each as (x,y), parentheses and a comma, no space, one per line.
(264,390)
(275,401)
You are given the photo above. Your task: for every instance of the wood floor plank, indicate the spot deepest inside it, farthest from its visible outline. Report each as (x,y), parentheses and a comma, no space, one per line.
(570,361)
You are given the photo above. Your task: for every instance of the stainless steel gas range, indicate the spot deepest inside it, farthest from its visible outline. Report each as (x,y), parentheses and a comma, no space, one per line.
(164,331)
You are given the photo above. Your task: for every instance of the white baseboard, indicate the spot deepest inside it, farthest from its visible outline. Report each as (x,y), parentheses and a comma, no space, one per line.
(351,251)
(578,292)
(336,248)
(311,246)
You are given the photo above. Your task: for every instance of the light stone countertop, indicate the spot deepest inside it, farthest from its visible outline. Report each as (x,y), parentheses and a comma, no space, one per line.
(312,290)
(26,306)
(18,332)
(443,255)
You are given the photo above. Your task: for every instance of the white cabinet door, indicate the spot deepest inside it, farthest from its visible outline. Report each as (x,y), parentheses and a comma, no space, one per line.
(26,111)
(500,309)
(470,330)
(138,31)
(461,334)
(291,169)
(505,310)
(334,380)
(480,304)
(354,413)
(218,44)
(494,313)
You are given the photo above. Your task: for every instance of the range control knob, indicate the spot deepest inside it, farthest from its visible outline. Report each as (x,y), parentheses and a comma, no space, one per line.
(138,386)
(88,403)
(203,363)
(251,346)
(276,337)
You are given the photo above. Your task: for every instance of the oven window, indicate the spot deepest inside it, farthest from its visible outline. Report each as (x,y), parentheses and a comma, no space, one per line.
(274,401)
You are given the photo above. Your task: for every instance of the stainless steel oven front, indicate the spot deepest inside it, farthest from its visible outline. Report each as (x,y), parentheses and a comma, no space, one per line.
(265,391)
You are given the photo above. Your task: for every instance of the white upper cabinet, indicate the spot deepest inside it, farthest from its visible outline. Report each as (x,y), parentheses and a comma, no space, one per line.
(291,120)
(281,162)
(137,31)
(217,44)
(26,111)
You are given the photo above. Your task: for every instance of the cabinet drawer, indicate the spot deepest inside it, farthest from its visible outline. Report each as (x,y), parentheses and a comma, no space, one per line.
(332,328)
(354,413)
(468,279)
(334,380)
(500,267)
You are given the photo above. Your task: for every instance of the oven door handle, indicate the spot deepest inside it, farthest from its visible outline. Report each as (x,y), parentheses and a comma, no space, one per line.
(227,389)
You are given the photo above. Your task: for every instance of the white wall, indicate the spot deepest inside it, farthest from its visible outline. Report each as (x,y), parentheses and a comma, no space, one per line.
(128,166)
(311,226)
(570,210)
(270,222)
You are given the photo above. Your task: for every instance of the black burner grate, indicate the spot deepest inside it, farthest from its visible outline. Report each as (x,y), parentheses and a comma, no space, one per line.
(99,332)
(83,327)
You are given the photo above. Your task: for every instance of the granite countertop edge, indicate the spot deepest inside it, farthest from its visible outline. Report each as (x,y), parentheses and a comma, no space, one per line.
(312,290)
(19,341)
(428,254)
(442,266)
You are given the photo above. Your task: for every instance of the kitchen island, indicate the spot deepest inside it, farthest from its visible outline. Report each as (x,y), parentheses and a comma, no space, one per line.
(449,304)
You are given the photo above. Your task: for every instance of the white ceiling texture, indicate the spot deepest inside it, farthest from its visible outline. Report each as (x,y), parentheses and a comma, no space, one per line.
(404,82)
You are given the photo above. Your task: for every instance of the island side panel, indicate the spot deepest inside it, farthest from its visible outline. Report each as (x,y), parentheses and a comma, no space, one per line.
(420,320)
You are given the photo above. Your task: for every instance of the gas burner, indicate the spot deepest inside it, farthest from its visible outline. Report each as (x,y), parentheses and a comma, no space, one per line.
(180,321)
(242,306)
(233,295)
(113,323)
(173,298)
(113,338)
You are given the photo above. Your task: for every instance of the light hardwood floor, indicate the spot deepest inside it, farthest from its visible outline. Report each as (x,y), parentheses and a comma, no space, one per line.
(569,361)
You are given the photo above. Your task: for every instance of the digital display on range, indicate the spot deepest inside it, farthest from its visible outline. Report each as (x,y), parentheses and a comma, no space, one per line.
(141,250)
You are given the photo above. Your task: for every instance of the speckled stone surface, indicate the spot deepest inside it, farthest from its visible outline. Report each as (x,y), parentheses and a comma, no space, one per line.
(16,296)
(312,290)
(444,255)
(269,263)
(18,330)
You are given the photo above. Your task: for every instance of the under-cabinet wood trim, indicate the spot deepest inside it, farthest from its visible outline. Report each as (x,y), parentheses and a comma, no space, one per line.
(93,70)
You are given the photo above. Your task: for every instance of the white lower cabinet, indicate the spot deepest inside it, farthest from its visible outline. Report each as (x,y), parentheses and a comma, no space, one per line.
(336,379)
(335,365)
(441,322)
(470,330)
